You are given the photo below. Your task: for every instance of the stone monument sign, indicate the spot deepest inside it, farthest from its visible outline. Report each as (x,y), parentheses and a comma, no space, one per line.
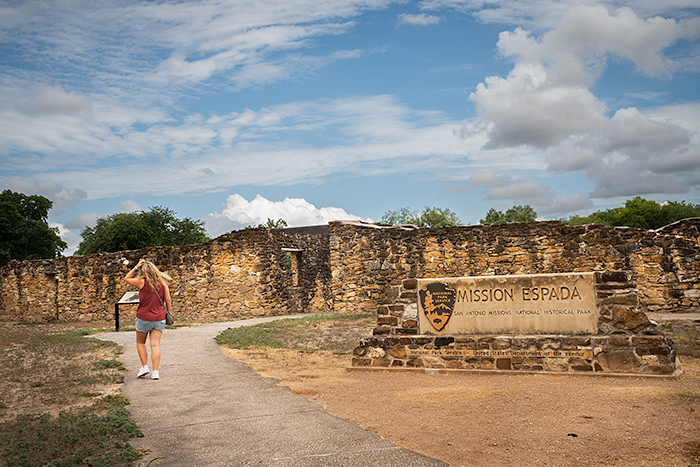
(519,304)
(566,322)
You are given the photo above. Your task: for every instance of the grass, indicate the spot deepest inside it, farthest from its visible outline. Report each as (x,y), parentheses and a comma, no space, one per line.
(303,353)
(338,334)
(56,358)
(685,336)
(97,435)
(58,401)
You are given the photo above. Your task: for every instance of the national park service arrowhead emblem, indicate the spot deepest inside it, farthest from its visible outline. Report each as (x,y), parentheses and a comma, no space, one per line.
(437,302)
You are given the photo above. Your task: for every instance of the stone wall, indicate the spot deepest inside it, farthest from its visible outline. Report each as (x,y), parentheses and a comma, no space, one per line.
(251,272)
(370,263)
(350,267)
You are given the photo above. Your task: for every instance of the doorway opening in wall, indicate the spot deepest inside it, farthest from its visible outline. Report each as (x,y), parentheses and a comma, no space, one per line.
(292,262)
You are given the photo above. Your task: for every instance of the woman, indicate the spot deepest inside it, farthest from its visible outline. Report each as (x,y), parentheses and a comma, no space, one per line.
(150,315)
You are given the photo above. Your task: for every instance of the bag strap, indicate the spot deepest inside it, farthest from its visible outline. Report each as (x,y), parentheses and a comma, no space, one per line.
(161,301)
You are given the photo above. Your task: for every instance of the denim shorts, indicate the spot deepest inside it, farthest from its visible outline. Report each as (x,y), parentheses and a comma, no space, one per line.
(148,326)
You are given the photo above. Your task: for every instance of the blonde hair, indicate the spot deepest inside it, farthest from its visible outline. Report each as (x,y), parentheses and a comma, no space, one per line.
(150,272)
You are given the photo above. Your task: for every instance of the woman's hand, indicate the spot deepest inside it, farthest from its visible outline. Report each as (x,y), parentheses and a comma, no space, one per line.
(131,280)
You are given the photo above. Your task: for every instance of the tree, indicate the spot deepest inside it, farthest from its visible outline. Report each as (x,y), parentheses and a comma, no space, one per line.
(399,217)
(274,224)
(493,217)
(515,214)
(134,230)
(437,217)
(24,230)
(674,211)
(641,213)
(430,217)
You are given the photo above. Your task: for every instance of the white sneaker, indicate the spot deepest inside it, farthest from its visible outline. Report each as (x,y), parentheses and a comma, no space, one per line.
(143,371)
(155,374)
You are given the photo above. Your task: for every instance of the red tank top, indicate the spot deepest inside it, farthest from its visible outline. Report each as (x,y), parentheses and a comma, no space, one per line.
(150,308)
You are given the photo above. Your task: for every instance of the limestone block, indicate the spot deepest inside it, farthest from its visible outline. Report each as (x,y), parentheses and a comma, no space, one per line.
(398,352)
(629,319)
(387,320)
(692,293)
(503,363)
(556,364)
(619,360)
(411,311)
(396,310)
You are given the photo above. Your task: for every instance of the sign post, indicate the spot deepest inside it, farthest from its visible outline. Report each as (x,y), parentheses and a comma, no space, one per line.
(127,298)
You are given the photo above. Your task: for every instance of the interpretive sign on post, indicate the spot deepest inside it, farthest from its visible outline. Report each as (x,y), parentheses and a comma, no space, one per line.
(127,298)
(520,304)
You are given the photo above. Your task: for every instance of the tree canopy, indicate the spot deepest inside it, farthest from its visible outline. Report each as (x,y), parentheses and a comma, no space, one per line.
(24,230)
(515,214)
(134,230)
(640,213)
(430,217)
(274,223)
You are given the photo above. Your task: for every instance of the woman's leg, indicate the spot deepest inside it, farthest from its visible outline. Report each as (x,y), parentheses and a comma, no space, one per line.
(155,348)
(141,347)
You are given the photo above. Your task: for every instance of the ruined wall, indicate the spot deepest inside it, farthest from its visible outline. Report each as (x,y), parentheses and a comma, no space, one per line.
(370,263)
(245,273)
(351,267)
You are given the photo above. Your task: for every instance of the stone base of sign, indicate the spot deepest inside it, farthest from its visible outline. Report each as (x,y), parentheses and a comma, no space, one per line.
(636,354)
(626,342)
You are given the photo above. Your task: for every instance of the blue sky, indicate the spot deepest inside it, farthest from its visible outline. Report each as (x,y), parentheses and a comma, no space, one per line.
(237,111)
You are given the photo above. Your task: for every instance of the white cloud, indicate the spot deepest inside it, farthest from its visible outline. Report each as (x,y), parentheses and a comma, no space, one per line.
(546,14)
(128,51)
(562,205)
(526,190)
(536,194)
(546,97)
(61,196)
(418,20)
(631,131)
(129,206)
(72,240)
(238,213)
(684,115)
(527,108)
(282,144)
(546,102)
(454,189)
(82,220)
(55,101)
(487,178)
(633,153)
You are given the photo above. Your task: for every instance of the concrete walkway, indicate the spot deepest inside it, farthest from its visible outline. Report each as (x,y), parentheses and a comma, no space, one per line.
(208,409)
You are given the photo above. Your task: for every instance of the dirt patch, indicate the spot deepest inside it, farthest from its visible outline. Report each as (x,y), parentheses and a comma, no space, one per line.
(48,368)
(488,419)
